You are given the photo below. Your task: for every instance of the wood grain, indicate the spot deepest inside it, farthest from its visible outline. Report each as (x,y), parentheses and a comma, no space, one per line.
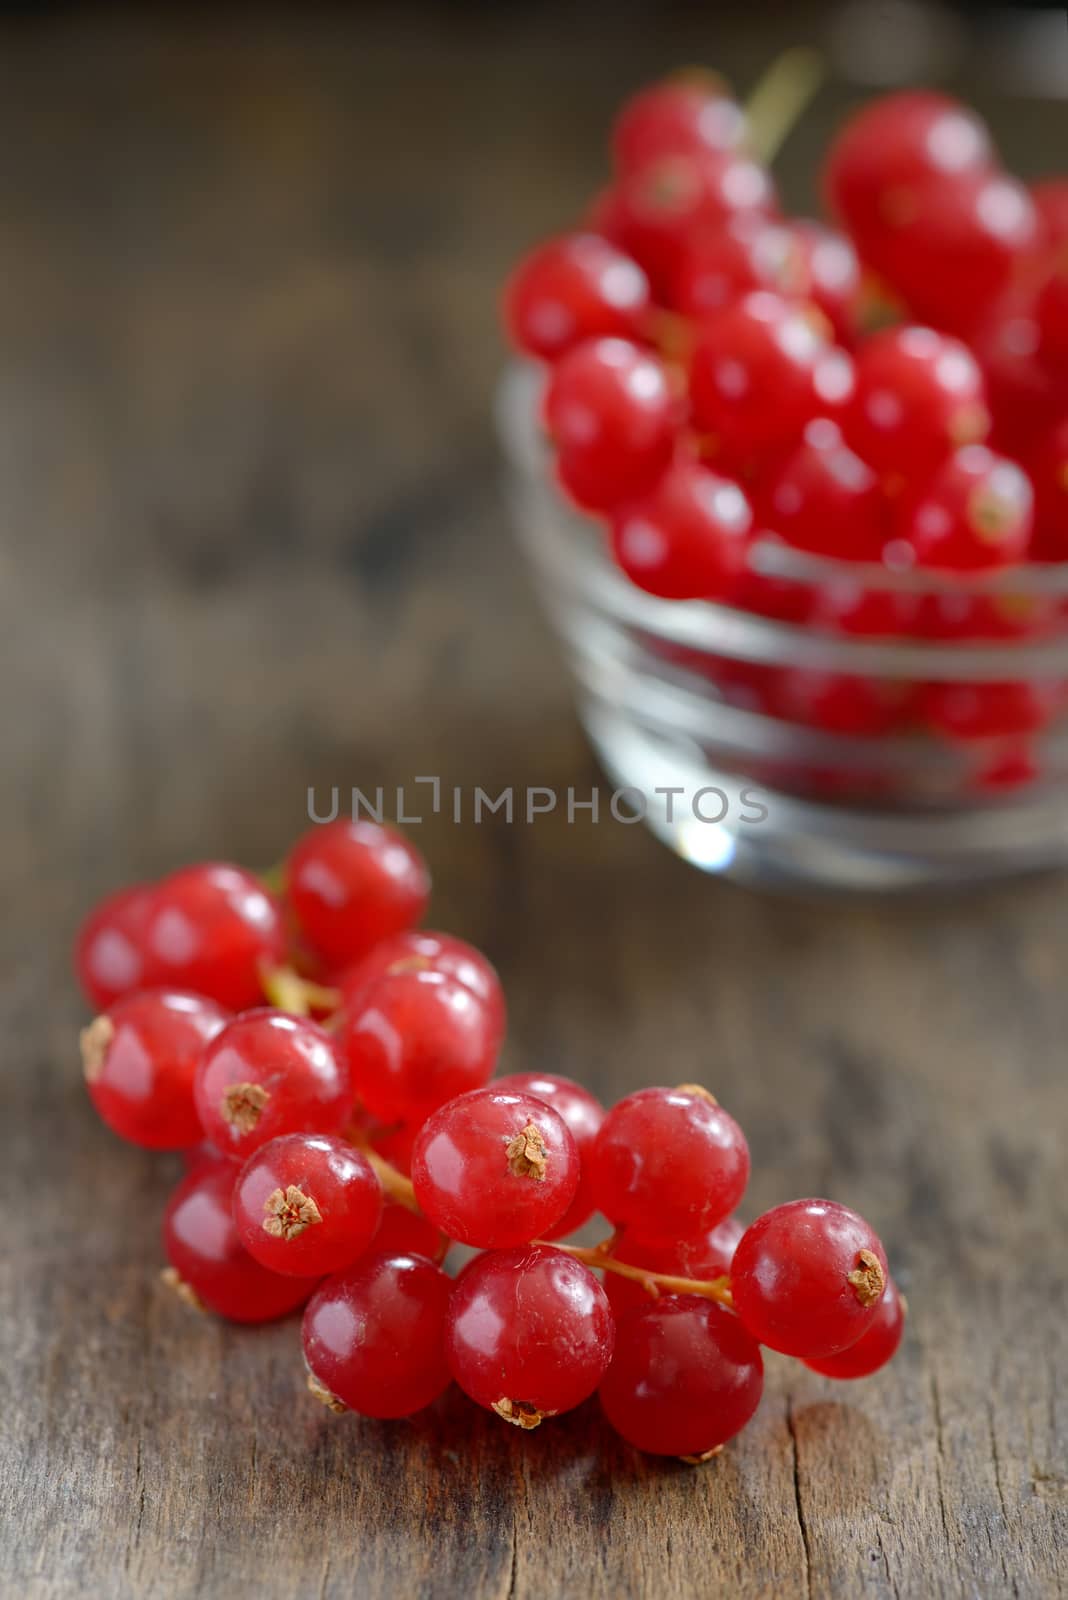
(251,542)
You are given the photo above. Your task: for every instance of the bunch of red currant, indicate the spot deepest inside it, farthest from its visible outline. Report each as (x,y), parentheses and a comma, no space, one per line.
(709,388)
(332,1162)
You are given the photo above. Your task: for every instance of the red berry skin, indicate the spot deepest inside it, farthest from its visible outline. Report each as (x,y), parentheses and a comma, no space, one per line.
(140,1058)
(685,1377)
(678,117)
(977,511)
(763,345)
(706,1255)
(583,1116)
(791,1278)
(750,252)
(205,1155)
(353,883)
(1027,398)
(202,1245)
(823,498)
(396,1144)
(1051,313)
(782,599)
(110,953)
(482,1182)
(875,1347)
(267,1074)
(408,1233)
(657,210)
(895,145)
(1047,465)
(842,702)
(955,614)
(574,288)
(670,1160)
(1050,199)
(959,248)
(306,1204)
(846,606)
(989,710)
(919,396)
(374,1335)
(835,280)
(529,1327)
(688,540)
(613,419)
(416,1040)
(214,929)
(420,950)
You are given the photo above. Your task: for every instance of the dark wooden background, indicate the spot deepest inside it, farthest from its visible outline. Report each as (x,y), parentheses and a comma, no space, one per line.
(250,540)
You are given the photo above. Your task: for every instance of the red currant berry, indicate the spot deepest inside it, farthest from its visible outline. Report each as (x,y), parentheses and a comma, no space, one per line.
(846,606)
(583,1116)
(415,1040)
(660,207)
(267,1074)
(1027,398)
(1051,314)
(139,1059)
(214,929)
(688,539)
(833,271)
(749,252)
(761,347)
(111,957)
(408,1233)
(420,950)
(575,288)
(680,116)
(1007,770)
(975,512)
(1050,199)
(669,1162)
(374,1336)
(874,1348)
(919,395)
(612,416)
(842,702)
(703,1255)
(989,710)
(494,1169)
(959,616)
(959,249)
(825,499)
(893,147)
(529,1333)
(1048,469)
(685,1377)
(353,883)
(209,1266)
(807,1278)
(306,1204)
(205,1155)
(782,599)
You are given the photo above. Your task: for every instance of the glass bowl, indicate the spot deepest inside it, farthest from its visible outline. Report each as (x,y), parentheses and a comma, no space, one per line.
(787,753)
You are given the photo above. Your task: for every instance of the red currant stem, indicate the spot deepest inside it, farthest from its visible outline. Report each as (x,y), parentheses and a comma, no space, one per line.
(781,97)
(285,988)
(395,1184)
(718,1289)
(274,878)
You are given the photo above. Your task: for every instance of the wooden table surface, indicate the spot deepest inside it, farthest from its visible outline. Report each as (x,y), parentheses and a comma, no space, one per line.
(250,540)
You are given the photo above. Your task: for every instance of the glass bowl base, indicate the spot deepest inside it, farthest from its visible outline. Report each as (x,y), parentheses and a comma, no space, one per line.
(805,844)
